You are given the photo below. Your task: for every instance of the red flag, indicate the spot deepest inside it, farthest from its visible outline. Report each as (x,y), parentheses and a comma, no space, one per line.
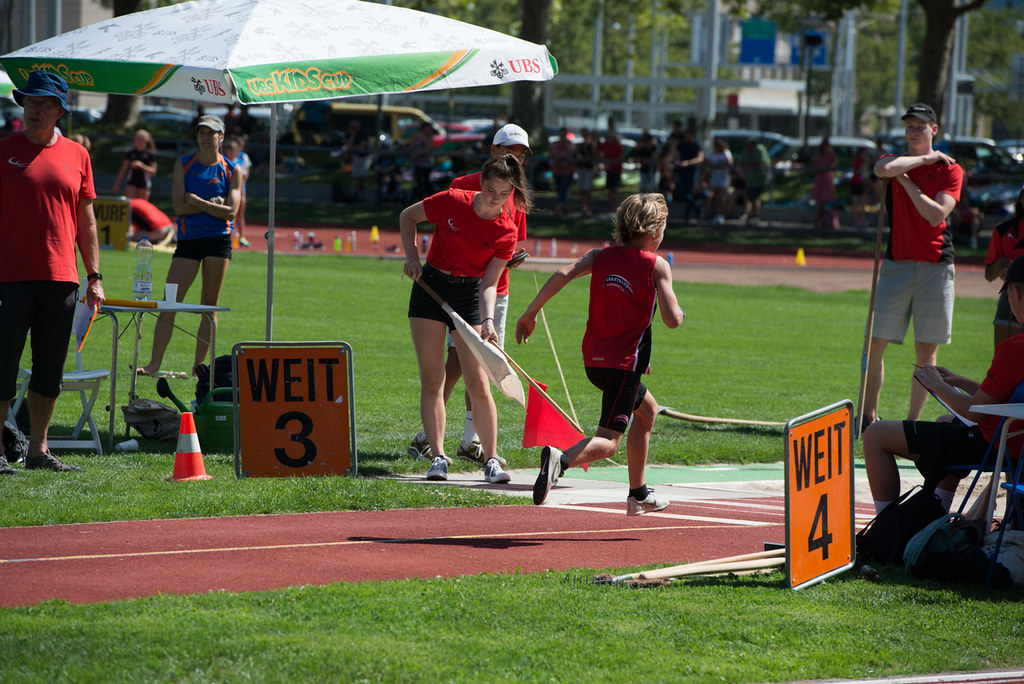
(545,426)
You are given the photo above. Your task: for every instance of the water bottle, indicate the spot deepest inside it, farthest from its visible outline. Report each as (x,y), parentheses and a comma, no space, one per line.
(142,288)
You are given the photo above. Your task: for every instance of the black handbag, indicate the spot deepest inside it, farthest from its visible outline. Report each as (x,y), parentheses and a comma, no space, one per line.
(885,537)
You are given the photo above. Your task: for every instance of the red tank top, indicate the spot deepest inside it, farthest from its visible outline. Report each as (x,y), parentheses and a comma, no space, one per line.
(622,304)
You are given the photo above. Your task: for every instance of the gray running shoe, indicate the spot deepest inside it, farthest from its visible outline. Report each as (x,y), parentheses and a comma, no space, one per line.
(648,505)
(438,469)
(550,470)
(475,453)
(5,467)
(420,450)
(50,462)
(494,473)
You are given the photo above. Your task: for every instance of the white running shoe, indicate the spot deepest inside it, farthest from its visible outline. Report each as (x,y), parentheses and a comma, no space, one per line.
(550,469)
(494,473)
(648,505)
(438,469)
(420,450)
(475,453)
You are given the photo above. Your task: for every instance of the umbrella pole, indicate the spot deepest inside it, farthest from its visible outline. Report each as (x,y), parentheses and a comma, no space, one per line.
(270,222)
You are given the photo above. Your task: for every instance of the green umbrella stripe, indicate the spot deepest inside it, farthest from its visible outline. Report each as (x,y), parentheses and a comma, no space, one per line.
(162,75)
(458,60)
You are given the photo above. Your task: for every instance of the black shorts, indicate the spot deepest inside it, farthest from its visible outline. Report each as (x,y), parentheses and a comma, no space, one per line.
(856,189)
(623,394)
(462,294)
(613,179)
(941,445)
(198,249)
(48,308)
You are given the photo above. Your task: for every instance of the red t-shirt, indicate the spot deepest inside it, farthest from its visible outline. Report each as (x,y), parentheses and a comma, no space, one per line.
(1006,241)
(41,188)
(1005,373)
(614,154)
(472,182)
(622,303)
(463,242)
(911,238)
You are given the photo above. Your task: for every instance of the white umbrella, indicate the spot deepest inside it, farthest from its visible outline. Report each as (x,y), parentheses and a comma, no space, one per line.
(6,85)
(250,51)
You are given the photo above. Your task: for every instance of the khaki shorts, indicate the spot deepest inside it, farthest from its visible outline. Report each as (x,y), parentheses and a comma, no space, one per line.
(912,289)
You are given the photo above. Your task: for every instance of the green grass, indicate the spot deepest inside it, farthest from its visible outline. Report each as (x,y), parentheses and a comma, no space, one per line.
(769,353)
(519,628)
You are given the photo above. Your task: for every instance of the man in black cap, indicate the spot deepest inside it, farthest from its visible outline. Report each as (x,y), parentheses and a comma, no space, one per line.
(46,194)
(934,446)
(916,278)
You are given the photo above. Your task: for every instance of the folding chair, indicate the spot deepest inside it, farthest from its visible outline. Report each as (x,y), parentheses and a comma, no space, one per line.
(985,505)
(87,383)
(1012,514)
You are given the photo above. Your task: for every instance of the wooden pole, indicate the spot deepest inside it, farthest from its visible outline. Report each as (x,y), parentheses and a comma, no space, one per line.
(746,561)
(869,329)
(679,415)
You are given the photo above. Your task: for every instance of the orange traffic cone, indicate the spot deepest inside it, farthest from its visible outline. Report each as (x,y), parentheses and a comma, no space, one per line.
(188,462)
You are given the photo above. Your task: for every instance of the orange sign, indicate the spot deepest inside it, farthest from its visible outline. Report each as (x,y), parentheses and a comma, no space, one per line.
(819,494)
(295,413)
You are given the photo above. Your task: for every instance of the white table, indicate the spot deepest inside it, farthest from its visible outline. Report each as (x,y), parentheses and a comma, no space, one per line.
(1013,413)
(111,311)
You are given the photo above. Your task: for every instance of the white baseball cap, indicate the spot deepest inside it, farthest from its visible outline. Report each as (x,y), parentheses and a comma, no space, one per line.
(511,134)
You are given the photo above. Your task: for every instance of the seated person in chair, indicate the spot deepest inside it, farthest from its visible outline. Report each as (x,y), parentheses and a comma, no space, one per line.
(934,446)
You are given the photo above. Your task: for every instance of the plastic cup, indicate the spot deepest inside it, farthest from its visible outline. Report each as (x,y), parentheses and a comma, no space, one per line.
(127,445)
(170,292)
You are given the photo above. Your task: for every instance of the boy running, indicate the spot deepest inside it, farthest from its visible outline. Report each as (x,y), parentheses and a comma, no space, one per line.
(627,283)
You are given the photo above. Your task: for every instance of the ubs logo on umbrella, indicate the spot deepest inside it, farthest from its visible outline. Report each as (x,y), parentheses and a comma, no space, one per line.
(498,69)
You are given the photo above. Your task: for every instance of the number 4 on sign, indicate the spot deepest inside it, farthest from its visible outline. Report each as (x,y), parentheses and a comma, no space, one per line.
(819,537)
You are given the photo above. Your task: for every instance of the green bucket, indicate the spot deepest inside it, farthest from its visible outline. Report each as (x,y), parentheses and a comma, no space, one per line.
(215,420)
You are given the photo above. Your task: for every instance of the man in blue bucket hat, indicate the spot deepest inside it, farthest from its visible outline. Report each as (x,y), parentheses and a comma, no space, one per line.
(46,194)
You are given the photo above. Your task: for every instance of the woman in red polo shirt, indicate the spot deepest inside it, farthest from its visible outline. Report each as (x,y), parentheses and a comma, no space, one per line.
(1007,244)
(474,238)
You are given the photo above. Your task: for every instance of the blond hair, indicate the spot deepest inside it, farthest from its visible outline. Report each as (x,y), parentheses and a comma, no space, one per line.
(641,214)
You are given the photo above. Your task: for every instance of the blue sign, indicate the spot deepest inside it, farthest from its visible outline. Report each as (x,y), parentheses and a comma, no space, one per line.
(818,53)
(757,44)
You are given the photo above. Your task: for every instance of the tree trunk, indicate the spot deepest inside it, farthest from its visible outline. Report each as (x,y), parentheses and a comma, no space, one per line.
(528,96)
(937,50)
(123,110)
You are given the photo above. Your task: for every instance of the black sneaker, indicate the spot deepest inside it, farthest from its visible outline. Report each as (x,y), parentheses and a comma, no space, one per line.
(5,467)
(550,469)
(50,462)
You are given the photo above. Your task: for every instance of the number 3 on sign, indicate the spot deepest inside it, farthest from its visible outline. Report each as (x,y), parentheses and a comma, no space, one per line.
(819,495)
(301,437)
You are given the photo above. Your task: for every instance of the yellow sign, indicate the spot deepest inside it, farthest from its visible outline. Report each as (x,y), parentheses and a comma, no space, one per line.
(295,415)
(113,221)
(819,494)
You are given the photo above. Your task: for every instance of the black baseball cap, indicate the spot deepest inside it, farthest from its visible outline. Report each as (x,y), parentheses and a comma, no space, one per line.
(920,111)
(1015,273)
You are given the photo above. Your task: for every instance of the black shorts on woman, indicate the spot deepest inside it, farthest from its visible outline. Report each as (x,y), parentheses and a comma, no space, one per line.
(461,293)
(198,249)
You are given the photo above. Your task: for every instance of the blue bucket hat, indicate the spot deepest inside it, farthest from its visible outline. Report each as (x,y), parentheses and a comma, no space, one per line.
(44,84)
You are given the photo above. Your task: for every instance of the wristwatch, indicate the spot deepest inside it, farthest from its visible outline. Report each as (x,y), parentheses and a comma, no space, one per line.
(94,276)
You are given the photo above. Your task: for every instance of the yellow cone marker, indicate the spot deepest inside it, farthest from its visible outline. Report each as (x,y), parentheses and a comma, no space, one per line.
(801,260)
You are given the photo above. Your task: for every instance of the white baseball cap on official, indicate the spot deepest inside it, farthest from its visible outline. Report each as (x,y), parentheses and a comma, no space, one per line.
(511,134)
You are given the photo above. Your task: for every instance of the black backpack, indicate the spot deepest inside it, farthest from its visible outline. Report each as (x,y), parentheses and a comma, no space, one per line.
(885,537)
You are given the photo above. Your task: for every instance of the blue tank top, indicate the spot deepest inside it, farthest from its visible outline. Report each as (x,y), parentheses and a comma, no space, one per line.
(205,182)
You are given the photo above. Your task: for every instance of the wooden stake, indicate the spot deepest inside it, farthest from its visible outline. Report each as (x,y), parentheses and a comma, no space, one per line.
(679,415)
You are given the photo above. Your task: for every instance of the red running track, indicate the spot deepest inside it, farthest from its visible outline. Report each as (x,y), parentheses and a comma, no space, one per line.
(97,562)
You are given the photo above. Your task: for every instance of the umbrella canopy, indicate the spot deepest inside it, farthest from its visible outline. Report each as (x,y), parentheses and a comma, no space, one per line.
(270,51)
(6,86)
(250,51)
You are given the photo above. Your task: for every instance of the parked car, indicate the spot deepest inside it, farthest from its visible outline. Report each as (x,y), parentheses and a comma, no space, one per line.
(738,137)
(791,154)
(1015,146)
(981,158)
